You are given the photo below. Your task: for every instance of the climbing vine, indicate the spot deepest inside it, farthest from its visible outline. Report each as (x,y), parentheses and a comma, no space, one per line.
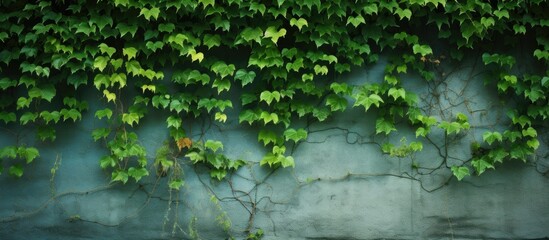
(188,60)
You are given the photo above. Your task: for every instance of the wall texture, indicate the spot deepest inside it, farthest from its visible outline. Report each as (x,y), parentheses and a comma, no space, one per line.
(343,186)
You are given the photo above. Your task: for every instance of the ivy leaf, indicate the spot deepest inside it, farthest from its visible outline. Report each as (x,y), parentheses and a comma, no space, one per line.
(460,172)
(367,101)
(104,48)
(110,96)
(299,23)
(130,118)
(404,13)
(480,165)
(6,83)
(196,56)
(424,50)
(28,117)
(119,175)
(137,173)
(295,135)
(124,29)
(46,132)
(221,85)
(397,93)
(384,126)
(133,67)
(16,170)
(530,132)
(50,116)
(8,117)
(77,79)
(100,114)
(72,113)
(174,121)
(176,184)
(100,133)
(166,27)
(356,21)
(267,136)
(212,40)
(268,97)
(490,137)
(321,113)
(100,63)
(213,145)
(251,34)
(129,52)
(274,34)
(222,69)
(336,102)
(8,152)
(245,77)
(370,9)
(269,117)
(247,116)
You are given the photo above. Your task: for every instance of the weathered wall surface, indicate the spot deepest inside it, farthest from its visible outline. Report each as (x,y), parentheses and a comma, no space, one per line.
(342,187)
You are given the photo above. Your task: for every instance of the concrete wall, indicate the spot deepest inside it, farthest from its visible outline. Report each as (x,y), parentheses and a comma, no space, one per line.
(342,187)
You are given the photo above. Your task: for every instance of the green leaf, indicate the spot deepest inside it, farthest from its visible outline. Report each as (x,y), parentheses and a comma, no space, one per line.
(370,9)
(367,101)
(295,135)
(101,80)
(29,154)
(28,117)
(213,145)
(176,184)
(269,117)
(100,133)
(222,69)
(104,48)
(72,113)
(424,50)
(212,40)
(404,13)
(129,52)
(321,113)
(100,63)
(50,116)
(299,23)
(23,102)
(247,116)
(119,175)
(480,165)
(130,118)
(77,79)
(110,96)
(251,34)
(244,77)
(6,83)
(268,96)
(166,27)
(267,136)
(397,93)
(107,161)
(356,21)
(221,85)
(384,126)
(8,117)
(124,29)
(490,137)
(16,170)
(530,132)
(46,132)
(174,121)
(274,34)
(336,102)
(460,172)
(137,173)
